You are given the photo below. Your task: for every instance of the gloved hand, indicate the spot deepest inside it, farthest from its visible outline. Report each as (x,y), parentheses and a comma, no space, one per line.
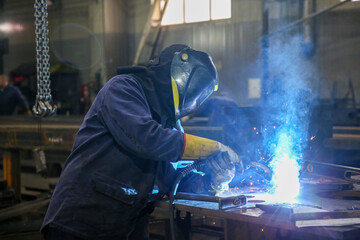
(233,157)
(221,170)
(222,159)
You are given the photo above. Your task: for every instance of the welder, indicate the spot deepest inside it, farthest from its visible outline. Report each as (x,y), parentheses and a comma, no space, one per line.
(121,159)
(12,100)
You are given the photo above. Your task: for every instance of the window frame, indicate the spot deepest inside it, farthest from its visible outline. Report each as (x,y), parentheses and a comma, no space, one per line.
(192,22)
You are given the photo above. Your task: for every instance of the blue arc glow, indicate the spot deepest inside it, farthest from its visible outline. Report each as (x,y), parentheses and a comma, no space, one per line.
(286,178)
(285,146)
(285,171)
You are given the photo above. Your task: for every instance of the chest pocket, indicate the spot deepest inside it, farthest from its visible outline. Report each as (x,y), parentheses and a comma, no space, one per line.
(114,189)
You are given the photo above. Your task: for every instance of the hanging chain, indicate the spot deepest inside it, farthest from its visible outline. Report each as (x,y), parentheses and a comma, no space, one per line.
(42,107)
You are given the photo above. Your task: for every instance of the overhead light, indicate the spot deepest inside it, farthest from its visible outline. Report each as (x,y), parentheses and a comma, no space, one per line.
(10,27)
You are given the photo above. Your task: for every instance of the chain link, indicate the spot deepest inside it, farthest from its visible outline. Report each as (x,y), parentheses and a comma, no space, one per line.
(42,107)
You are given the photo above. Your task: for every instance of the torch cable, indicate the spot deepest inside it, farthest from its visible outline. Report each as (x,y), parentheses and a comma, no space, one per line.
(183,174)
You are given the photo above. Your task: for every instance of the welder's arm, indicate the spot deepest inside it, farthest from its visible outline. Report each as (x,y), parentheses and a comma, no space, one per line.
(201,148)
(126,114)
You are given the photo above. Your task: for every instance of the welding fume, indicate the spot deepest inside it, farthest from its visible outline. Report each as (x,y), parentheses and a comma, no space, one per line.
(274,145)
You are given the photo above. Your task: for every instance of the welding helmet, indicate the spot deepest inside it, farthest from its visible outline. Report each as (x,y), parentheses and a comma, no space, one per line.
(194,78)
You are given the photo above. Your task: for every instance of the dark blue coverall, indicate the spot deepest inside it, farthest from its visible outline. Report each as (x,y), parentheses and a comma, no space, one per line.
(119,154)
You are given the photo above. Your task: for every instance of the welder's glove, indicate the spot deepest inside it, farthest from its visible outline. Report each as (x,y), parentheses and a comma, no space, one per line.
(221,170)
(233,157)
(222,159)
(199,147)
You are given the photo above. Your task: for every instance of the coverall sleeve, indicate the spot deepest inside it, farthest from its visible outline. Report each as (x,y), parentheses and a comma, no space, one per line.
(21,100)
(126,114)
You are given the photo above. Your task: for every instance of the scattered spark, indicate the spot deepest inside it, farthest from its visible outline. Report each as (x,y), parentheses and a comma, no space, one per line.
(257,132)
(312,138)
(262,229)
(274,127)
(254,128)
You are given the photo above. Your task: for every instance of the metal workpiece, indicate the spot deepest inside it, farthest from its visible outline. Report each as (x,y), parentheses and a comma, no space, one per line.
(313,217)
(223,202)
(330,170)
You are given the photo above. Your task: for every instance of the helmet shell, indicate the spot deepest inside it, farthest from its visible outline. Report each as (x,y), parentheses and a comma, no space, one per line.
(196,78)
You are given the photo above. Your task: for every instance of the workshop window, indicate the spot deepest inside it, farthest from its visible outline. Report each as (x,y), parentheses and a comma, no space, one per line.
(189,11)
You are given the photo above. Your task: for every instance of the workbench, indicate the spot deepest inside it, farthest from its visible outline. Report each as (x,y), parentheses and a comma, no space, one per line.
(25,133)
(251,222)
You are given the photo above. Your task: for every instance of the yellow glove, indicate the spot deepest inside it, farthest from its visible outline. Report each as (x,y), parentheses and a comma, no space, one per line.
(201,148)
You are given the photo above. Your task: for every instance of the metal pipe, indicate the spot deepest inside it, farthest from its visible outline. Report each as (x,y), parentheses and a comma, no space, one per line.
(23,208)
(223,202)
(197,197)
(316,14)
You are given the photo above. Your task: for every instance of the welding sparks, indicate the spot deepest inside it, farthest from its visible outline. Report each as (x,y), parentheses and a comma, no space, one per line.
(312,138)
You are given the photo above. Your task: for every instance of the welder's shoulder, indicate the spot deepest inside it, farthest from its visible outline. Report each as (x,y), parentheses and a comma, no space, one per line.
(121,88)
(123,82)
